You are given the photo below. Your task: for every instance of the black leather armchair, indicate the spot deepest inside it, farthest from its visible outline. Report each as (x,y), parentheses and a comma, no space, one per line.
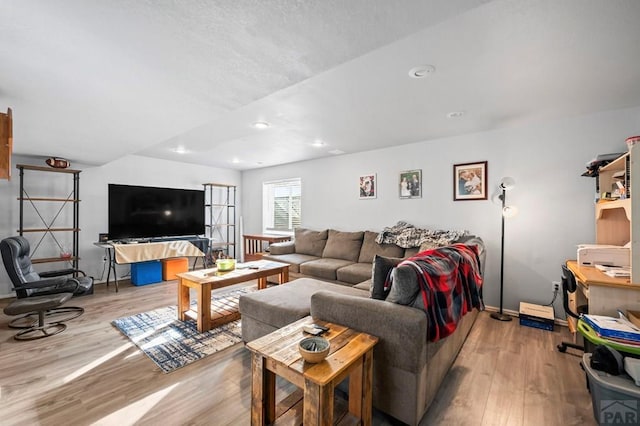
(27,282)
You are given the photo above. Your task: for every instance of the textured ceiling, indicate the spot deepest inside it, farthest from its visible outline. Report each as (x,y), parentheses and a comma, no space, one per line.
(93,81)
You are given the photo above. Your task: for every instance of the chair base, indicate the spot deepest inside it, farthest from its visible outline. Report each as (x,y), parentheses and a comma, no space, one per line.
(39,332)
(55,316)
(562,347)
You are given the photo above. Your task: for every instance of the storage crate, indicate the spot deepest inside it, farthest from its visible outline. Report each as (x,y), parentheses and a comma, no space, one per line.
(143,273)
(171,267)
(615,399)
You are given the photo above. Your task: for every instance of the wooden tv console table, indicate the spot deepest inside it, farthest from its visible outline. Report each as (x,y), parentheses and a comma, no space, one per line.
(118,254)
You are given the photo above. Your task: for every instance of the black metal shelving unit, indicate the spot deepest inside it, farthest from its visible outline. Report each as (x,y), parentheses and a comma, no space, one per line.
(220,215)
(49,228)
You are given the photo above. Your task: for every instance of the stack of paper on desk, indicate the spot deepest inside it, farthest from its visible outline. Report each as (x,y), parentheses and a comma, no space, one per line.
(615,271)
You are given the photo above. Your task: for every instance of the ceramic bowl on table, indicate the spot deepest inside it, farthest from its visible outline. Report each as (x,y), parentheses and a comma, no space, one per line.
(314,349)
(224,265)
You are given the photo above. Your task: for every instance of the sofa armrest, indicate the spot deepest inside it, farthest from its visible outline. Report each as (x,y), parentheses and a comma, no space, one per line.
(402,330)
(286,247)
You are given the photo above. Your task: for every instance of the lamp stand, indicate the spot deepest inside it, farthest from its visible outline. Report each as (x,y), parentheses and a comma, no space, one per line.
(500,316)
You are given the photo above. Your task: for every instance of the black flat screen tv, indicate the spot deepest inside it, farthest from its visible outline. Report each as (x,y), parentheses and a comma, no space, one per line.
(148,212)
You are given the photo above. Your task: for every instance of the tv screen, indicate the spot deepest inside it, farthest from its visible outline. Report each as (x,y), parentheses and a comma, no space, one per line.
(146,212)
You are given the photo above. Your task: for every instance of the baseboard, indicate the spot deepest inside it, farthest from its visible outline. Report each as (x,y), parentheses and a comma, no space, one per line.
(516,314)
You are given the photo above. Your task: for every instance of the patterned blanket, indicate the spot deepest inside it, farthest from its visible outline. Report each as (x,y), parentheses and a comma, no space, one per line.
(406,235)
(450,286)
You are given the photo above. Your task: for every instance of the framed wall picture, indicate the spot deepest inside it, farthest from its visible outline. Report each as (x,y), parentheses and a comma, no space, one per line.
(470,181)
(411,184)
(368,186)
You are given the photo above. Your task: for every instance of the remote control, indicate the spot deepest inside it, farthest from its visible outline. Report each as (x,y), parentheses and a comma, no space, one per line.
(313,330)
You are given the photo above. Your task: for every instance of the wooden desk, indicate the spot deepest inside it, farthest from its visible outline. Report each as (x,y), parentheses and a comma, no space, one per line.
(254,244)
(205,280)
(605,294)
(351,356)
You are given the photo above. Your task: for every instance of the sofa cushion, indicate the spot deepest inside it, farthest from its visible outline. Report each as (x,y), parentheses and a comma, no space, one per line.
(405,287)
(294,260)
(343,245)
(355,273)
(364,285)
(370,248)
(310,242)
(324,268)
(382,267)
(283,304)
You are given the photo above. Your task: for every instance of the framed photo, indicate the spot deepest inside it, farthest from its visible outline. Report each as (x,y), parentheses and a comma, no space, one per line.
(411,184)
(368,186)
(470,181)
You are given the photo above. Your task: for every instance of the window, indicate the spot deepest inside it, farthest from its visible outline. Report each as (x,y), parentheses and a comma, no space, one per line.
(281,205)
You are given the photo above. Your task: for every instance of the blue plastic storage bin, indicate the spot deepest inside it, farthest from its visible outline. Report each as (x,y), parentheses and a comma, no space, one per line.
(143,273)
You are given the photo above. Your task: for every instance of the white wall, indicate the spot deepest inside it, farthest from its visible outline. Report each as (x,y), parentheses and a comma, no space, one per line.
(131,170)
(546,160)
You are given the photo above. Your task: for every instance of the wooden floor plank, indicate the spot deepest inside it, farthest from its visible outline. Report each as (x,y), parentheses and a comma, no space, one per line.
(505,375)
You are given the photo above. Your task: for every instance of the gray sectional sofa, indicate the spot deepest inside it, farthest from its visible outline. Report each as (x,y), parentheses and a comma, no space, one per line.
(408,369)
(342,257)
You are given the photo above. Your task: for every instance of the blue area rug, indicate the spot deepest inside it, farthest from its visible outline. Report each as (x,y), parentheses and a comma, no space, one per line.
(171,343)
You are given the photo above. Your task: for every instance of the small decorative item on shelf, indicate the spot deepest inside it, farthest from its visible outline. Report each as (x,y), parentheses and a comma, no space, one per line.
(65,253)
(632,140)
(57,162)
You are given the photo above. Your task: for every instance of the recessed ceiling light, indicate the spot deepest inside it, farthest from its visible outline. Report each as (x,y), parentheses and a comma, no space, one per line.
(455,114)
(318,143)
(261,125)
(180,150)
(336,152)
(235,161)
(422,71)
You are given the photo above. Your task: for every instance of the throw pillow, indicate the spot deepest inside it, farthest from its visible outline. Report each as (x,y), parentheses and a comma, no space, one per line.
(405,286)
(381,269)
(310,242)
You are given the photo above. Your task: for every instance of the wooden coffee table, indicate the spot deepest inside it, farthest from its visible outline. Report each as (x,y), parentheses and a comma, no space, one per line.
(277,353)
(205,280)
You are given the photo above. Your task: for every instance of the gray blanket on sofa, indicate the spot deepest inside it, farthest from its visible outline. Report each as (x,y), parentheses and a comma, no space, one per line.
(406,235)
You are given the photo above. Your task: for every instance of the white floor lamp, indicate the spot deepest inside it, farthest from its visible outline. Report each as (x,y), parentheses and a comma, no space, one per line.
(506,184)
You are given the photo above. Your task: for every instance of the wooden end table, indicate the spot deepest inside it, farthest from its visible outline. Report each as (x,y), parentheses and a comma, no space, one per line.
(277,353)
(254,244)
(205,280)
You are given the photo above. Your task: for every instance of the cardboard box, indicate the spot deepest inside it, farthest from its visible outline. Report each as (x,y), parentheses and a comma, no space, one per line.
(634,317)
(536,316)
(171,267)
(143,273)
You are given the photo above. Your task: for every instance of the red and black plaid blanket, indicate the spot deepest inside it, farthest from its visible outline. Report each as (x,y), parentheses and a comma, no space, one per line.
(450,286)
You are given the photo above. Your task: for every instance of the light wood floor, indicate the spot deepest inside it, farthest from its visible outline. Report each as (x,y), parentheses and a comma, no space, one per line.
(91,374)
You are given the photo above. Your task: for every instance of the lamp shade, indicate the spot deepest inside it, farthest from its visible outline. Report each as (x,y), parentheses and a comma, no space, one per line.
(509,211)
(507,183)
